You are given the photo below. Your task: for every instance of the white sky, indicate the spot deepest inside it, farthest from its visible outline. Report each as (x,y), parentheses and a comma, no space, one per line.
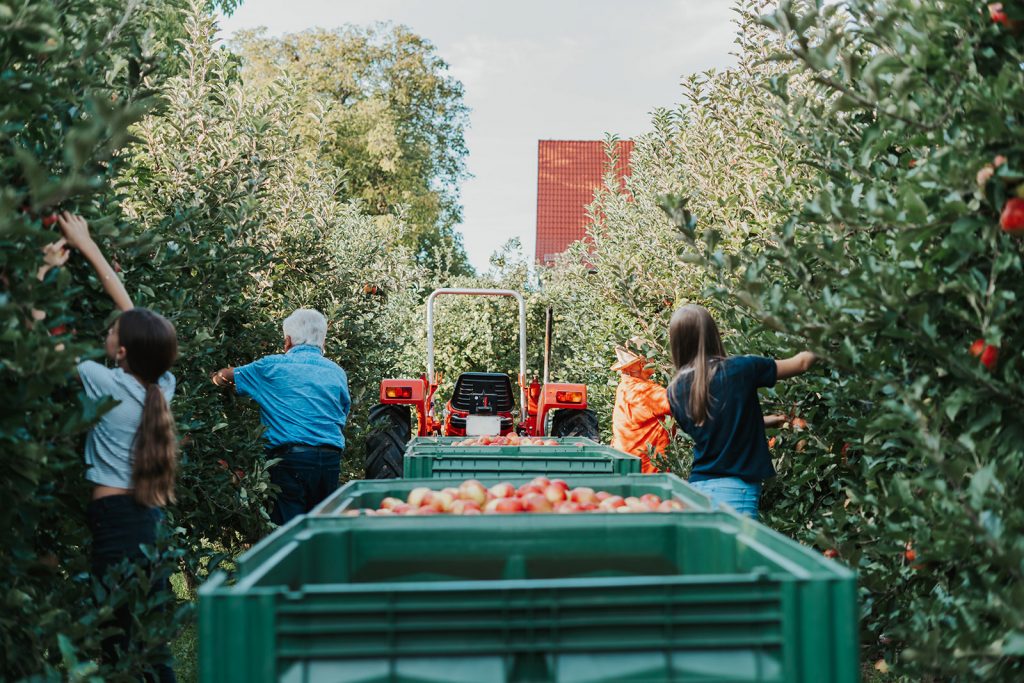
(534,70)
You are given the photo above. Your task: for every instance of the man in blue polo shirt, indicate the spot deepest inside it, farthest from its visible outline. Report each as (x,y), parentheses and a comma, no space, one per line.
(304,403)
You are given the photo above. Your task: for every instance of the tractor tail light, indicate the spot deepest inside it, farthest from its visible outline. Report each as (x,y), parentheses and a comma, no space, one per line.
(569,396)
(398,392)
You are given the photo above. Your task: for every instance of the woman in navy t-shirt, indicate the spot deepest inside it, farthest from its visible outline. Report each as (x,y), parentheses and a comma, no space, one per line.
(714,400)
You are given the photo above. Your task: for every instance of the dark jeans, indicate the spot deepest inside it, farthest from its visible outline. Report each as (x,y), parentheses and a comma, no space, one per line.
(306,475)
(119,525)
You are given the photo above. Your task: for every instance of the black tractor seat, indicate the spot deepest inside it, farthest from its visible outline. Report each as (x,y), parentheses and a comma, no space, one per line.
(483,393)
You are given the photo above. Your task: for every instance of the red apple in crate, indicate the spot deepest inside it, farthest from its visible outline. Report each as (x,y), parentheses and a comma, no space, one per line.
(442,501)
(473,490)
(602,496)
(555,494)
(472,511)
(651,500)
(536,502)
(529,488)
(417,495)
(560,483)
(462,507)
(636,505)
(588,507)
(612,502)
(390,503)
(550,442)
(540,481)
(402,509)
(503,490)
(583,494)
(426,510)
(504,506)
(453,491)
(567,507)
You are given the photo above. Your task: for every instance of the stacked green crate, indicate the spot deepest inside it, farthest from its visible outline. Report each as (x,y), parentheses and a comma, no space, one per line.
(369,493)
(694,596)
(441,458)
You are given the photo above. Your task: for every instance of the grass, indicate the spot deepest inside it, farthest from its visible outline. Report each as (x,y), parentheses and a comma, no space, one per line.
(186,646)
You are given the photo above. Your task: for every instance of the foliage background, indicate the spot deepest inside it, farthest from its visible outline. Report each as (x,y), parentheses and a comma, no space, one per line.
(823,193)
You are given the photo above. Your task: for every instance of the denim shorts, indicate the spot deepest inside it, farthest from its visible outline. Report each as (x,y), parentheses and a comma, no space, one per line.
(742,496)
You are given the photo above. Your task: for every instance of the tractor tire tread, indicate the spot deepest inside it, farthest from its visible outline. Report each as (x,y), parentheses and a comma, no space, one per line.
(390,429)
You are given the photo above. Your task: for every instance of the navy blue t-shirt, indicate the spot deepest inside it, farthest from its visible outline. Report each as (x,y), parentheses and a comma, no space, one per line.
(731,442)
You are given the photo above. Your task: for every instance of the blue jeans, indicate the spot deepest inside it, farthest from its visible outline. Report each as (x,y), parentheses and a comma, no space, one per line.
(306,475)
(740,495)
(119,525)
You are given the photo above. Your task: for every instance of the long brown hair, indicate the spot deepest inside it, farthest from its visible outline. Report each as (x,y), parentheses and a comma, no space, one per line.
(151,346)
(695,342)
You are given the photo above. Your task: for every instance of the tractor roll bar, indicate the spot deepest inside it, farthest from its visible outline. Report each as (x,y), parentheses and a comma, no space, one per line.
(481,292)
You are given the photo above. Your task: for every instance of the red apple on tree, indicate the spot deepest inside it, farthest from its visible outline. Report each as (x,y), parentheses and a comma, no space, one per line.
(990,357)
(1012,218)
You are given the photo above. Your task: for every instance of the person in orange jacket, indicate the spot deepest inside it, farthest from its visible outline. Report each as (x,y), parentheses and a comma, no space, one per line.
(641,407)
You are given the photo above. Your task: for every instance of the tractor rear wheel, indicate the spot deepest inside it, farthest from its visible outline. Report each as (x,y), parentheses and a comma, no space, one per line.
(390,428)
(575,423)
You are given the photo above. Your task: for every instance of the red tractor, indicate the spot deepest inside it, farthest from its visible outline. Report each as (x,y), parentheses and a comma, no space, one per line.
(482,402)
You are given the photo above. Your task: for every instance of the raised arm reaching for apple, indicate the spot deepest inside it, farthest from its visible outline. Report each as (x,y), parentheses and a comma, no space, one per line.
(76,233)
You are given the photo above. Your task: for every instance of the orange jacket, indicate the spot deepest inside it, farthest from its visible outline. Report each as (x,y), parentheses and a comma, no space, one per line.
(640,407)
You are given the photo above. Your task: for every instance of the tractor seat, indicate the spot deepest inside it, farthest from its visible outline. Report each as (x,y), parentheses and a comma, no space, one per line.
(483,393)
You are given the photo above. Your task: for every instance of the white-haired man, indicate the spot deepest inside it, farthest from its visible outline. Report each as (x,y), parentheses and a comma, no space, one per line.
(304,403)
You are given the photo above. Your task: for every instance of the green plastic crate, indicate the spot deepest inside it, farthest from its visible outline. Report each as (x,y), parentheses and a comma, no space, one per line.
(370,492)
(700,596)
(438,458)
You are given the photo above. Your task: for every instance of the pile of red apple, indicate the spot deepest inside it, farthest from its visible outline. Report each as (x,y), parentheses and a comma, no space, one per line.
(540,495)
(510,440)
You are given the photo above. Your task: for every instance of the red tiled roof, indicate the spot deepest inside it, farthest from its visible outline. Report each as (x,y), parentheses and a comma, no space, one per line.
(568,172)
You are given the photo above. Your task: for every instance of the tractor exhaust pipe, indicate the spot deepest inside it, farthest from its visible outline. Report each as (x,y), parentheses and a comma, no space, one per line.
(549,321)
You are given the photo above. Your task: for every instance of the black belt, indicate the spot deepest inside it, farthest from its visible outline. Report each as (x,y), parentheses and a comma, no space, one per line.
(289,447)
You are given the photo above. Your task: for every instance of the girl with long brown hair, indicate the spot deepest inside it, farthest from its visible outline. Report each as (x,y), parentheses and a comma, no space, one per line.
(714,399)
(131,452)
